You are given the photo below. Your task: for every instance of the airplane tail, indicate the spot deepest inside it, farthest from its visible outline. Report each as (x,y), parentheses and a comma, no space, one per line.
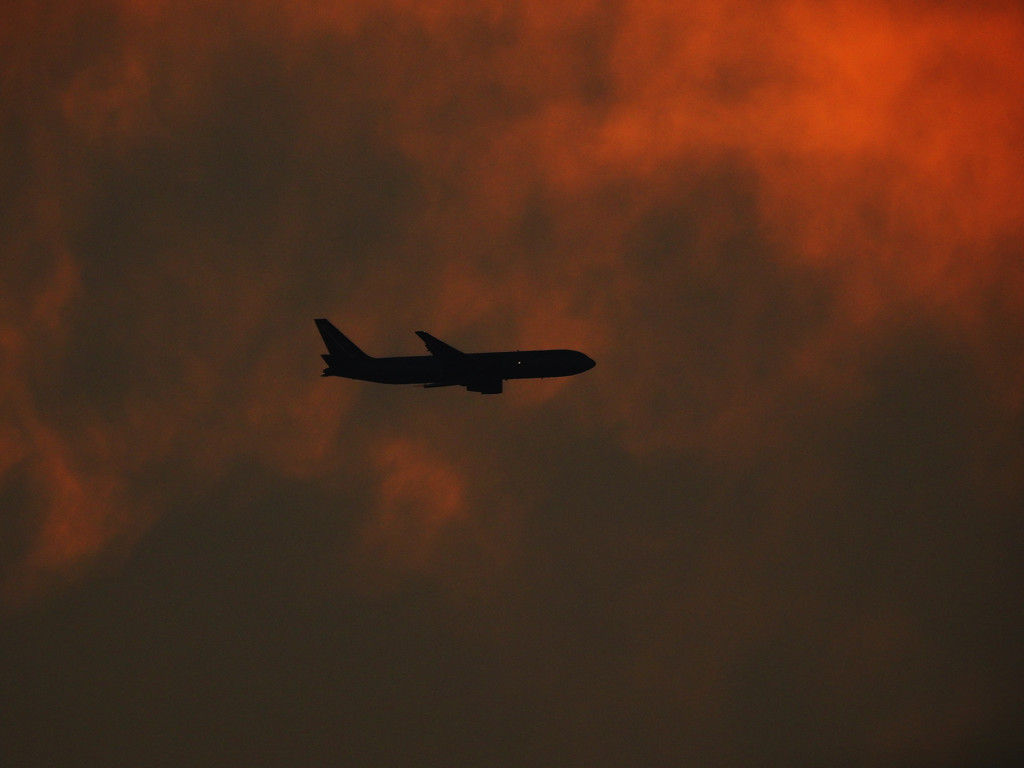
(343,355)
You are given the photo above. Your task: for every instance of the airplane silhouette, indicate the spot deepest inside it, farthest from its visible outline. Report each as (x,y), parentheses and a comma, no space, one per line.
(446,366)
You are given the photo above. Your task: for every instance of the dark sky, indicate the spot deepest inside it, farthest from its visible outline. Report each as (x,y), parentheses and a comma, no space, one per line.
(778,524)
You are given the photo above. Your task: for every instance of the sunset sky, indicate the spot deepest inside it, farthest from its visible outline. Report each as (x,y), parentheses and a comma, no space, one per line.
(779,523)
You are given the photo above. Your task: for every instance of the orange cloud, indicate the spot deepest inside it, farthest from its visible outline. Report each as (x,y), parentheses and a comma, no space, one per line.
(789,232)
(82,515)
(734,209)
(420,497)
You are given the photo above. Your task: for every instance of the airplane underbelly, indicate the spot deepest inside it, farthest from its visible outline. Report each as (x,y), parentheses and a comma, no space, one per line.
(408,371)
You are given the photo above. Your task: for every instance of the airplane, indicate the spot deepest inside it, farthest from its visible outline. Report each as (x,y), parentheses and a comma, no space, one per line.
(446,366)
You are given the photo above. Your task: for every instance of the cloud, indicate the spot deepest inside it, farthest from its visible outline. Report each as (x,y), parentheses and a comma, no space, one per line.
(790,238)
(737,209)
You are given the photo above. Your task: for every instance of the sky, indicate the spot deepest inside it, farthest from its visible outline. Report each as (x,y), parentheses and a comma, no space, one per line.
(779,523)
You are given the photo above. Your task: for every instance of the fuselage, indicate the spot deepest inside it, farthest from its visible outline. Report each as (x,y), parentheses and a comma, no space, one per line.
(498,366)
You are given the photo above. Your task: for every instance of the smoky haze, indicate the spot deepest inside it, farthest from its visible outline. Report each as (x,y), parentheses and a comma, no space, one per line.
(779,523)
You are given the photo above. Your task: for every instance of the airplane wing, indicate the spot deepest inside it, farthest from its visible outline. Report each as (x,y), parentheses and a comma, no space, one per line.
(471,373)
(438,348)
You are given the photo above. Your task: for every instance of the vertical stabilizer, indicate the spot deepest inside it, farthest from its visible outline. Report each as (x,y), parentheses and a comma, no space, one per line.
(344,358)
(338,344)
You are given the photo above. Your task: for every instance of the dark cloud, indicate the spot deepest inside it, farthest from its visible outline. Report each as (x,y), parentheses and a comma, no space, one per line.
(777,523)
